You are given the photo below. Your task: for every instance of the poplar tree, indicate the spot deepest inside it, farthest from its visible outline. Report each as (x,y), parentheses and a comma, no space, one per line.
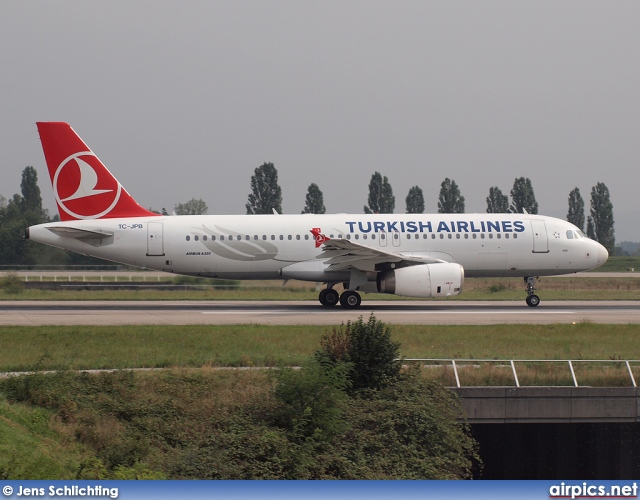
(450,201)
(381,199)
(522,197)
(575,215)
(314,201)
(600,222)
(266,194)
(415,201)
(497,203)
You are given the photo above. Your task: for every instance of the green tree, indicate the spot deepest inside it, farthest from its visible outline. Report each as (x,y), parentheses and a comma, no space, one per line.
(368,347)
(381,199)
(497,203)
(522,197)
(191,207)
(314,202)
(20,212)
(415,201)
(575,215)
(31,199)
(450,201)
(266,194)
(600,222)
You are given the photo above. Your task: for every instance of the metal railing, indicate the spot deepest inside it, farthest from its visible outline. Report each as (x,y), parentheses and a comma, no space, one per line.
(456,364)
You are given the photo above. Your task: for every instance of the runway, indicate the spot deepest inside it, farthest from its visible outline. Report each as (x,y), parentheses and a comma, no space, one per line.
(34,313)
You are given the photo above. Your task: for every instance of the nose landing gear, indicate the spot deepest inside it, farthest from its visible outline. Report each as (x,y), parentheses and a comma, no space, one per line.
(532,299)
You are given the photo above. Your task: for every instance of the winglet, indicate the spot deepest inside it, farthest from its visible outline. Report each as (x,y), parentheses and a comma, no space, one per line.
(83,187)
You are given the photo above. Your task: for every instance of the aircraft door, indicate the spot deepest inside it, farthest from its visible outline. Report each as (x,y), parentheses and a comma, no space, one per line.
(155,244)
(540,239)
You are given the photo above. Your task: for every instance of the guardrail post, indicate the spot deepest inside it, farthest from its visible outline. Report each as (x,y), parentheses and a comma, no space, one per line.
(573,374)
(515,375)
(633,380)
(455,372)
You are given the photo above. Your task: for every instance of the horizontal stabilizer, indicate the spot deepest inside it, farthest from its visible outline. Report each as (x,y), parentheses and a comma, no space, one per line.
(80,234)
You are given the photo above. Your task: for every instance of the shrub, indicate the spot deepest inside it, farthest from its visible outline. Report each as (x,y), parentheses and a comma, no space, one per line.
(368,348)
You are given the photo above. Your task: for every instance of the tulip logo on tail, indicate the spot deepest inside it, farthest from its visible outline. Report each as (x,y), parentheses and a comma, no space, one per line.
(83,187)
(318,236)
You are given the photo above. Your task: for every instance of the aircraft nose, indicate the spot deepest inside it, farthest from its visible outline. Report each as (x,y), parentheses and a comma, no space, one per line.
(602,254)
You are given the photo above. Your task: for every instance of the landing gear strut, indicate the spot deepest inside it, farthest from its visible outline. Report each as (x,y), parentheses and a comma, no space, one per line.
(532,299)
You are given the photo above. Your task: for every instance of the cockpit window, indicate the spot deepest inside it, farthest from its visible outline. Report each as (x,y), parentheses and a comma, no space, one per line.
(580,234)
(569,234)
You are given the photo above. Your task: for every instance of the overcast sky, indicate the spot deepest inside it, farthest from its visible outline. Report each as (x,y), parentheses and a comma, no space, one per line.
(185,99)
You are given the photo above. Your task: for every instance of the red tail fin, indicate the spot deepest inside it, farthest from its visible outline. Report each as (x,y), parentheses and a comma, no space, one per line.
(82,185)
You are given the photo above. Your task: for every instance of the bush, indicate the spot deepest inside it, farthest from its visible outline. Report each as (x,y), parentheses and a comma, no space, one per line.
(11,284)
(368,347)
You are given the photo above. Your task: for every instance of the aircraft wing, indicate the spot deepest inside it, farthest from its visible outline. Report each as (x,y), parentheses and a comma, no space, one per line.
(342,254)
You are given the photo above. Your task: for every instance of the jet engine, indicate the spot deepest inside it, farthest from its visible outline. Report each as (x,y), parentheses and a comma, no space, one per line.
(423,280)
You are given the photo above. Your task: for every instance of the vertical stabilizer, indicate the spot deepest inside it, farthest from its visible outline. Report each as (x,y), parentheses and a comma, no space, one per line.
(83,187)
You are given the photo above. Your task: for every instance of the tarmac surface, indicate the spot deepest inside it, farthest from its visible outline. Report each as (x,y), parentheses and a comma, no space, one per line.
(312,313)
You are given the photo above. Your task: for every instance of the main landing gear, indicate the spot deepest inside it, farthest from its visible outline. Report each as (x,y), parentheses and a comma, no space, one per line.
(532,299)
(349,299)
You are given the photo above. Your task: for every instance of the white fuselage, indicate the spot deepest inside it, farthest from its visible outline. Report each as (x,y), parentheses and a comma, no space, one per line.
(282,246)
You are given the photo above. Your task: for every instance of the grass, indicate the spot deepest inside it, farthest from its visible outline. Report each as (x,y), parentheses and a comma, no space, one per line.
(88,347)
(567,288)
(31,449)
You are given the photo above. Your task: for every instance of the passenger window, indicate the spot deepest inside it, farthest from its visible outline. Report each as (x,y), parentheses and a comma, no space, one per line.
(196,237)
(188,238)
(475,236)
(506,236)
(442,236)
(433,236)
(306,236)
(458,236)
(364,236)
(449,236)
(204,238)
(373,236)
(221,238)
(289,237)
(383,236)
(247,237)
(264,236)
(273,236)
(466,236)
(395,236)
(297,236)
(357,236)
(482,236)
(490,236)
(515,236)
(213,237)
(498,236)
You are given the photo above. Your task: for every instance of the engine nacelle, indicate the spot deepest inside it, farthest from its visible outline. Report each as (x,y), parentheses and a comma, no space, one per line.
(423,280)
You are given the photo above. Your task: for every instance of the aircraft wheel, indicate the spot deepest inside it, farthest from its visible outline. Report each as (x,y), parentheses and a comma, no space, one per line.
(350,299)
(329,297)
(533,300)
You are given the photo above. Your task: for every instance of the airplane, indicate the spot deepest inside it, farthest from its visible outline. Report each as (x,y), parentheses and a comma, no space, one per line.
(413,255)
